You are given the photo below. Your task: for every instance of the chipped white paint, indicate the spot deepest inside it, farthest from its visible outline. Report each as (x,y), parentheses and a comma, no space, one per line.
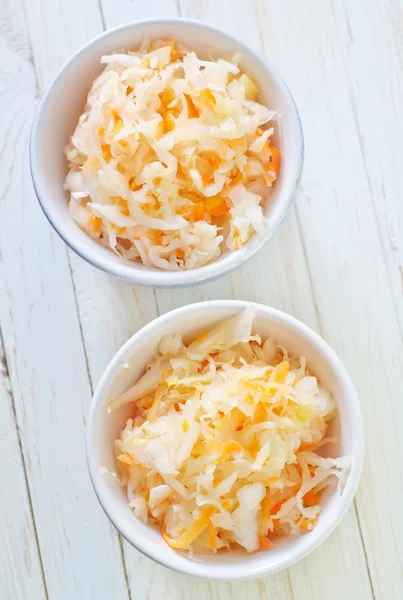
(336,264)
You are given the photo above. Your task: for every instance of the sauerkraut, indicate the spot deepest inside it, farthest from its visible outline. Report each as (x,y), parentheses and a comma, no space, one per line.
(171,161)
(221,450)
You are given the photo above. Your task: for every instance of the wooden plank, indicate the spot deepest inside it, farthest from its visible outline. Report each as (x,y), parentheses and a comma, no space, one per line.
(123,11)
(20,564)
(110,310)
(150,580)
(381,55)
(350,210)
(45,356)
(56,30)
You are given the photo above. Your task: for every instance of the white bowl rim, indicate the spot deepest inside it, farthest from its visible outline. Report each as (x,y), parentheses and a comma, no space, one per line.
(160,278)
(228,572)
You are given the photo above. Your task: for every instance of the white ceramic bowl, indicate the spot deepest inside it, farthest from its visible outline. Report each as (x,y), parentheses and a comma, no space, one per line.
(63,102)
(104,428)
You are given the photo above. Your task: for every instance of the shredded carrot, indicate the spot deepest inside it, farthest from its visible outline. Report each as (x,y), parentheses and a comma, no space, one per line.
(208,96)
(236,178)
(193,111)
(264,543)
(129,90)
(226,503)
(212,537)
(295,488)
(260,415)
(264,514)
(212,158)
(180,253)
(311,498)
(281,371)
(229,546)
(169,120)
(279,374)
(189,535)
(212,202)
(126,458)
(95,223)
(275,159)
(225,449)
(161,390)
(308,524)
(160,130)
(220,210)
(203,365)
(174,54)
(198,211)
(254,446)
(307,446)
(233,447)
(117,125)
(278,529)
(106,152)
(275,509)
(155,236)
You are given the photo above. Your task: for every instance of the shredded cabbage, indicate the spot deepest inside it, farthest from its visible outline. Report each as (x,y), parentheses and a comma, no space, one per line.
(221,449)
(168,163)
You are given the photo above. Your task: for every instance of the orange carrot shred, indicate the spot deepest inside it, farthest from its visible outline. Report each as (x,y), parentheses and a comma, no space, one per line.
(295,488)
(203,365)
(311,498)
(198,211)
(126,458)
(275,509)
(275,158)
(212,537)
(96,223)
(264,543)
(220,210)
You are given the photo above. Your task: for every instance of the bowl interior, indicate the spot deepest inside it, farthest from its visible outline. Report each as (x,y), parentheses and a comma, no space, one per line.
(105,428)
(64,102)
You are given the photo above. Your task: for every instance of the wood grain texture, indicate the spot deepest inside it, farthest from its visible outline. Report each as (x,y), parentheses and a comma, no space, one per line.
(45,358)
(336,264)
(343,212)
(20,563)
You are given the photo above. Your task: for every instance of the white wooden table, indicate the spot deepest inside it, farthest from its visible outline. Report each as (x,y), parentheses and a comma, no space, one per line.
(337,264)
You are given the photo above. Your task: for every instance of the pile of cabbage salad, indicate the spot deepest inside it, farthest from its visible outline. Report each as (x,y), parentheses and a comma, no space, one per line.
(169,163)
(222,447)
